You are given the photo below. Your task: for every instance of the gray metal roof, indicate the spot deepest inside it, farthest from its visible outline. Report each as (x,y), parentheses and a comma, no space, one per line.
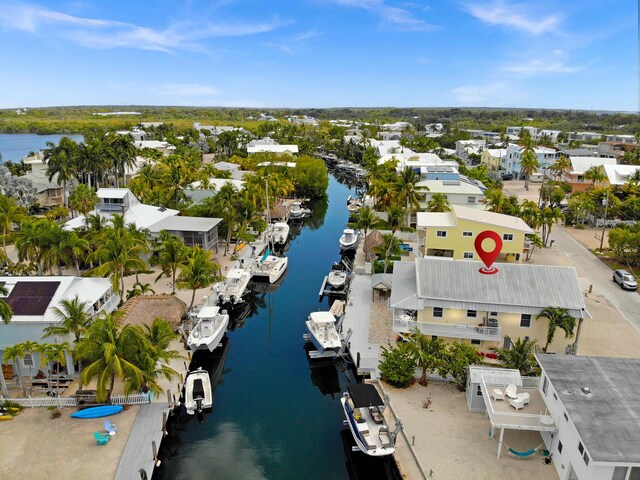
(185,224)
(404,293)
(607,418)
(516,288)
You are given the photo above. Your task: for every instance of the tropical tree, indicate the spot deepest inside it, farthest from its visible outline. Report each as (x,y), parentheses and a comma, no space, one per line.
(62,162)
(55,353)
(530,213)
(395,218)
(595,174)
(427,353)
(519,356)
(457,361)
(558,318)
(110,349)
(122,151)
(397,367)
(31,240)
(83,199)
(171,252)
(198,271)
(10,214)
(528,165)
(407,193)
(225,201)
(438,203)
(13,353)
(561,166)
(140,289)
(536,241)
(366,220)
(548,217)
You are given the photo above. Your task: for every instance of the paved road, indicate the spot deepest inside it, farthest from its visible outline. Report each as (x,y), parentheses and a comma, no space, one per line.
(599,275)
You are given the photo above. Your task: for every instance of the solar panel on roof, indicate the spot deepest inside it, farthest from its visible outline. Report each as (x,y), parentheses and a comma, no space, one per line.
(31,298)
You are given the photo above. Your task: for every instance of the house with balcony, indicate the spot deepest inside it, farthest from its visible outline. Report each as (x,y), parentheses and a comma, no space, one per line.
(511,161)
(579,166)
(492,158)
(466,148)
(618,175)
(452,234)
(428,165)
(460,190)
(270,148)
(33,300)
(594,403)
(585,136)
(451,299)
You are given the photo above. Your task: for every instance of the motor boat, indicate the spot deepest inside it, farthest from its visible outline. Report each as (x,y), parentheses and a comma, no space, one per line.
(209,329)
(233,288)
(354,204)
(322,332)
(296,210)
(349,239)
(269,268)
(278,233)
(337,276)
(364,412)
(197,391)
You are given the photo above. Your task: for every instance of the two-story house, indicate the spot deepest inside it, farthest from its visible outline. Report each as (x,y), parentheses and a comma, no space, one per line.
(451,299)
(579,166)
(452,234)
(511,161)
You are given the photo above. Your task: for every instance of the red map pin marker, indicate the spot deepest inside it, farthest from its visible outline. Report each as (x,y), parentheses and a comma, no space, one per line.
(488,257)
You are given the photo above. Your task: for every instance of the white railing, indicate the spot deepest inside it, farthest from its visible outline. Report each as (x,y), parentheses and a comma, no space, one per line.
(43,401)
(453,330)
(137,399)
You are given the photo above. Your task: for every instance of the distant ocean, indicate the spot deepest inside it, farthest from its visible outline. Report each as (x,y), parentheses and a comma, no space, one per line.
(15,146)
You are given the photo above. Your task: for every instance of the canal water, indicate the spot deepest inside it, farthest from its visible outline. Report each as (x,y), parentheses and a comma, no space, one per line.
(15,146)
(273,417)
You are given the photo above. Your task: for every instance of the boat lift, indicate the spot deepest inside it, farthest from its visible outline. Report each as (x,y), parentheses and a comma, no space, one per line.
(314,354)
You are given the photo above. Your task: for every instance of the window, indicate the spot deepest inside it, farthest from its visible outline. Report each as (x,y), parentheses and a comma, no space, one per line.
(27,359)
(507,237)
(580,447)
(525,320)
(471,200)
(472,313)
(437,312)
(475,341)
(619,473)
(433,337)
(635,473)
(468,255)
(565,417)
(559,446)
(555,397)
(441,233)
(478,391)
(467,234)
(585,457)
(545,385)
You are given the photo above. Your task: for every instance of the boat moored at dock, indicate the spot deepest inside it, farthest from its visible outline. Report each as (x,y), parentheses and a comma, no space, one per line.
(211,324)
(269,268)
(233,288)
(349,239)
(323,333)
(197,392)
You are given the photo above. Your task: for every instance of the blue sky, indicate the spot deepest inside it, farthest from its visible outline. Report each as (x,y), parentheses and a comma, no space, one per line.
(321,53)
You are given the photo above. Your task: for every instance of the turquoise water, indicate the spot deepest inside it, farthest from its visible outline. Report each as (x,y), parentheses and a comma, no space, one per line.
(273,417)
(15,146)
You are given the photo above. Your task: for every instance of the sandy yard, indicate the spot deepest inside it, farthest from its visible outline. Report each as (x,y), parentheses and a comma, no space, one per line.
(454,443)
(61,448)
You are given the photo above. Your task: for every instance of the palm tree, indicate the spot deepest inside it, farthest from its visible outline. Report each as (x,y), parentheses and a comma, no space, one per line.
(10,214)
(389,247)
(62,162)
(83,199)
(438,203)
(55,251)
(5,310)
(29,347)
(31,240)
(13,353)
(530,213)
(56,353)
(198,271)
(73,319)
(111,349)
(123,154)
(595,174)
(558,318)
(561,166)
(395,217)
(225,201)
(528,165)
(536,241)
(366,220)
(520,356)
(426,352)
(406,189)
(549,216)
(171,253)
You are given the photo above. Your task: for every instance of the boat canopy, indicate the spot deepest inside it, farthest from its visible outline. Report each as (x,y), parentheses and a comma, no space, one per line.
(208,312)
(266,254)
(364,395)
(322,317)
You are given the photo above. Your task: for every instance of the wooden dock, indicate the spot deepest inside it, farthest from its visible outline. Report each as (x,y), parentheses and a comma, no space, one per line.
(141,451)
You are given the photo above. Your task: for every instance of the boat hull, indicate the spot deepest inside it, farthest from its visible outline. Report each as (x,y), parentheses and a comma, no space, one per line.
(197,390)
(97,412)
(210,342)
(358,436)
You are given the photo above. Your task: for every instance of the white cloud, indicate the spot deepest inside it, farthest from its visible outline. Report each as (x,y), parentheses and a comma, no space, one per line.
(294,43)
(499,12)
(554,63)
(186,89)
(391,17)
(98,33)
(497,93)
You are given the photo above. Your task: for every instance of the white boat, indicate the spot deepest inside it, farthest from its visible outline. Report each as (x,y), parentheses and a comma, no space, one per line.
(364,412)
(209,329)
(279,233)
(337,276)
(234,287)
(349,239)
(322,331)
(269,268)
(296,210)
(197,391)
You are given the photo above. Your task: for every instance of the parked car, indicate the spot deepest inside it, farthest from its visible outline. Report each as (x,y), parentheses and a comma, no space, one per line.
(507,176)
(625,280)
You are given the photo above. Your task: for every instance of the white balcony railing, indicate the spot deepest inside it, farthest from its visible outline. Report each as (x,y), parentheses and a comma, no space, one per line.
(404,323)
(108,306)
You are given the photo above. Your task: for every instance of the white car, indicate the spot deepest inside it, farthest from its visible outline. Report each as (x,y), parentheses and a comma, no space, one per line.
(625,280)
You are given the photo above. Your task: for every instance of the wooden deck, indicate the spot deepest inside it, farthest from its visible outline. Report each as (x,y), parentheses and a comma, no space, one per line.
(138,452)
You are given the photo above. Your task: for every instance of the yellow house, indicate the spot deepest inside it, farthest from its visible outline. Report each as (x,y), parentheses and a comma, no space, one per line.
(452,300)
(492,158)
(452,234)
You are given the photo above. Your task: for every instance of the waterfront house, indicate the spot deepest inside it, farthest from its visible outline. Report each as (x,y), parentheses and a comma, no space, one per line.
(452,234)
(33,299)
(594,402)
(427,165)
(451,299)
(270,148)
(579,165)
(460,191)
(47,192)
(163,147)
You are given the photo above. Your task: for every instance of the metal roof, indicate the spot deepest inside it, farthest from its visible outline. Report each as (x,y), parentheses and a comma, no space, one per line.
(607,417)
(516,288)
(185,224)
(404,293)
(495,376)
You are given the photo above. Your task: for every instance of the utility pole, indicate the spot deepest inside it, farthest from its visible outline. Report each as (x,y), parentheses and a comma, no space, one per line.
(606,207)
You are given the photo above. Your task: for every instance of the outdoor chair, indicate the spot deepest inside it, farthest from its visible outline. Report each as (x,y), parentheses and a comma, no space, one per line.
(110,427)
(375,414)
(368,440)
(385,438)
(511,391)
(518,402)
(497,394)
(102,438)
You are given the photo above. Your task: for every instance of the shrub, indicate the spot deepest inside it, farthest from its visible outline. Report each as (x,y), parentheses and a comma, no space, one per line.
(397,367)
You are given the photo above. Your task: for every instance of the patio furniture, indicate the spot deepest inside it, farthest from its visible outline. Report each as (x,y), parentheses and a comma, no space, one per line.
(511,391)
(102,438)
(375,414)
(385,438)
(520,401)
(497,394)
(110,427)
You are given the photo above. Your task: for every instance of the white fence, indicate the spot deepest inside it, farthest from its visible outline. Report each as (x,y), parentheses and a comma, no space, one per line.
(137,399)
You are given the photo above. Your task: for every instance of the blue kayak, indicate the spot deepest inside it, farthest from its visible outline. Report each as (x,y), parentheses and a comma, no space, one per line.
(97,412)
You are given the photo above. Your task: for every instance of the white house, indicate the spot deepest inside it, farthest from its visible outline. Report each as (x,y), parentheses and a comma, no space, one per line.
(386,147)
(277,149)
(619,174)
(595,405)
(164,147)
(465,148)
(585,136)
(621,138)
(33,299)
